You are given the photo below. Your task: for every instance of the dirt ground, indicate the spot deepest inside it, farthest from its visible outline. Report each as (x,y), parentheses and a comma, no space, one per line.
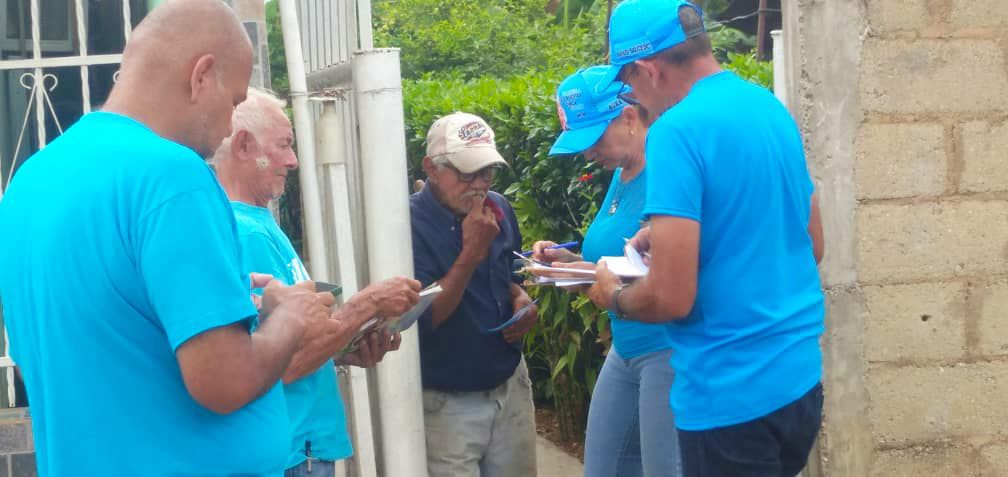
(548,426)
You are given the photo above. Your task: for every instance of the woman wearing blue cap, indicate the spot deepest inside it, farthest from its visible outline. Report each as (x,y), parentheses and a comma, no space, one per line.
(630,426)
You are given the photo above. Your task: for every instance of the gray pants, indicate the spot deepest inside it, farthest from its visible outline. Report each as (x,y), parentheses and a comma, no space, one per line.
(482,433)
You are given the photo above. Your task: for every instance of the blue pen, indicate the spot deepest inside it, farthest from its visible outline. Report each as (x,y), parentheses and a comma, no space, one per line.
(568,245)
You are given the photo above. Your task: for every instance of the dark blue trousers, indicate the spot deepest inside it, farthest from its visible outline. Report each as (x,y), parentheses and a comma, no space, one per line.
(775,445)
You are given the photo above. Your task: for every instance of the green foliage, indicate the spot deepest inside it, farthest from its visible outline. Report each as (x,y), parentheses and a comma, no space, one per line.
(725,40)
(471,38)
(748,67)
(277,54)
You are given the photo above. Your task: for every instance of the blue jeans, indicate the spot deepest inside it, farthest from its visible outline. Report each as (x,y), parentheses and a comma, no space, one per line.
(775,445)
(630,427)
(319,468)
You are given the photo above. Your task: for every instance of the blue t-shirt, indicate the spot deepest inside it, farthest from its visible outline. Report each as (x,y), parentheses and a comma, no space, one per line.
(314,403)
(459,355)
(606,238)
(730,157)
(117,247)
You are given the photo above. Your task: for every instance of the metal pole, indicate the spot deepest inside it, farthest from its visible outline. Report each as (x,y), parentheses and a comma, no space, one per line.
(779,67)
(378,91)
(39,79)
(332,158)
(761,31)
(307,173)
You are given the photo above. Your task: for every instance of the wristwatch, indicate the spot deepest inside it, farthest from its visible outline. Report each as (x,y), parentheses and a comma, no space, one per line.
(614,300)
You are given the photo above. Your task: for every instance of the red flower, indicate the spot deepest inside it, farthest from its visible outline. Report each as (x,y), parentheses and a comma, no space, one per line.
(585,177)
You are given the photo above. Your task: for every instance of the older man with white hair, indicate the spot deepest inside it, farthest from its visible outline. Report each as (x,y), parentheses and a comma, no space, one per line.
(252,165)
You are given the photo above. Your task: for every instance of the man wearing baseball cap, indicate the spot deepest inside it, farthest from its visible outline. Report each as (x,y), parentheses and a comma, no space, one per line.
(735,238)
(477,396)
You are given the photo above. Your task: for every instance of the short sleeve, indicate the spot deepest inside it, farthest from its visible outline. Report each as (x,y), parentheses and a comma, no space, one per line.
(675,178)
(517,246)
(189,258)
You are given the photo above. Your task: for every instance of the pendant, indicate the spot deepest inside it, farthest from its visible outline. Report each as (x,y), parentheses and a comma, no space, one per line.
(612,208)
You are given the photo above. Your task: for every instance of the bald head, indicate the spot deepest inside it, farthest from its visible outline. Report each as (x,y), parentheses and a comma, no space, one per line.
(179,31)
(186,66)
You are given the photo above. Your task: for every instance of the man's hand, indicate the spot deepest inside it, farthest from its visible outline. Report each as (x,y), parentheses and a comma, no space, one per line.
(392,297)
(372,349)
(259,280)
(605,284)
(296,305)
(524,324)
(542,252)
(479,229)
(225,368)
(642,240)
(387,298)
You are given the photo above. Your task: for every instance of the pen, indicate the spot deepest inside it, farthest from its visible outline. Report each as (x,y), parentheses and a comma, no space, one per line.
(567,245)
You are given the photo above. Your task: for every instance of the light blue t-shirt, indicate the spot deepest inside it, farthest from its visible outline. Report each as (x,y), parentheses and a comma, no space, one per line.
(730,156)
(118,246)
(606,238)
(314,403)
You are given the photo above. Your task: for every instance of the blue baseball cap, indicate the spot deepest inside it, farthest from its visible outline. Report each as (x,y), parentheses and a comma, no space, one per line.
(586,108)
(641,28)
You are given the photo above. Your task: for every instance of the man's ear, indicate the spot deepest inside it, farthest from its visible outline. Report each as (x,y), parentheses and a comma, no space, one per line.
(244,145)
(428,166)
(649,67)
(204,72)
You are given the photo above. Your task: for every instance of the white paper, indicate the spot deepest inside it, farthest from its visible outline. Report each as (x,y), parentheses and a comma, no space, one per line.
(396,325)
(427,296)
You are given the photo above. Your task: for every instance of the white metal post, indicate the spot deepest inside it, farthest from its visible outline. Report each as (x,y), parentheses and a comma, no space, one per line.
(378,91)
(332,158)
(39,81)
(779,67)
(307,172)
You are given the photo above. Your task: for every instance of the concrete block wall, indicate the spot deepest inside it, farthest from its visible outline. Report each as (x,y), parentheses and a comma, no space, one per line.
(17,452)
(904,108)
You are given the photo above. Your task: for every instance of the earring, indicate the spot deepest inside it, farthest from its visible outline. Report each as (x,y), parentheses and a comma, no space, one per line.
(631,132)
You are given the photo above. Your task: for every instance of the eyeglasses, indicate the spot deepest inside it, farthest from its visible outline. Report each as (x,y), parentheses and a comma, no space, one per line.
(626,94)
(626,71)
(487,173)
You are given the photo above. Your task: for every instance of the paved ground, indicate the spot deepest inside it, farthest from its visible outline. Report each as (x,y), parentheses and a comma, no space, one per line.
(554,462)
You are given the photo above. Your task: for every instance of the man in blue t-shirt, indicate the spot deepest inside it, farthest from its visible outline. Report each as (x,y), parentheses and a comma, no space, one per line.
(252,166)
(735,238)
(128,312)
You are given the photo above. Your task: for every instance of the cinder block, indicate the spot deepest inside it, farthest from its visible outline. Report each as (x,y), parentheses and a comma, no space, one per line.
(931,241)
(915,322)
(985,151)
(925,461)
(13,437)
(992,302)
(23,465)
(978,13)
(917,76)
(885,17)
(900,160)
(921,404)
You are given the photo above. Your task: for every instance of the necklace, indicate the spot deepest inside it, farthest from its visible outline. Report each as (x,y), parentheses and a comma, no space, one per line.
(616,198)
